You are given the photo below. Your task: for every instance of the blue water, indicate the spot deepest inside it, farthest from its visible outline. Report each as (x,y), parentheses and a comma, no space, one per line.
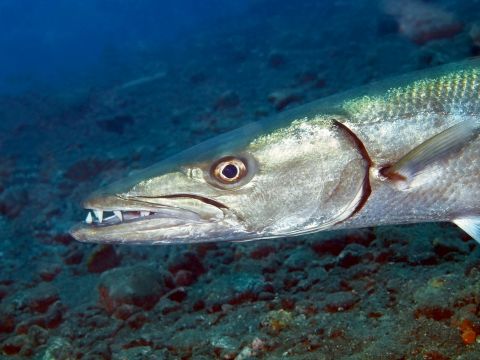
(50,42)
(92,90)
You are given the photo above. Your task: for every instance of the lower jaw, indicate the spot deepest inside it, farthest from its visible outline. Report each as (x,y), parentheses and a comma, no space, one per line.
(138,230)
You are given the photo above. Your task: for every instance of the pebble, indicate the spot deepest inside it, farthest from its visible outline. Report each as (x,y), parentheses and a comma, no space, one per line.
(116,124)
(225,346)
(234,288)
(49,272)
(13,202)
(340,301)
(351,255)
(186,261)
(7,322)
(280,99)
(136,285)
(102,258)
(227,100)
(73,257)
(39,298)
(276,60)
(3,291)
(423,22)
(14,345)
(50,320)
(443,245)
(184,278)
(261,252)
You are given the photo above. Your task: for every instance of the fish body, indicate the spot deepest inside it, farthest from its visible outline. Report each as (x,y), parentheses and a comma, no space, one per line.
(401,151)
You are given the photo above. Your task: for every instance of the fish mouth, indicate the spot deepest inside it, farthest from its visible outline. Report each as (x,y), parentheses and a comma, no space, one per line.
(153,219)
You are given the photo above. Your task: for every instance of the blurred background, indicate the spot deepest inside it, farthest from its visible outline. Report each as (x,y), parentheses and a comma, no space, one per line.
(58,43)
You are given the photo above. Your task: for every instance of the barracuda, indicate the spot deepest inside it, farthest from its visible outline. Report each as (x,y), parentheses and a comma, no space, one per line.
(401,151)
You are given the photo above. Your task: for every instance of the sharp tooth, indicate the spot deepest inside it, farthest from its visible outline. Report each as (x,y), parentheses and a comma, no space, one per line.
(99,215)
(118,214)
(89,218)
(144,213)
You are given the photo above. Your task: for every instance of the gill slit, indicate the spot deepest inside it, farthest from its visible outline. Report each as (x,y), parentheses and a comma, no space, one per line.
(366,189)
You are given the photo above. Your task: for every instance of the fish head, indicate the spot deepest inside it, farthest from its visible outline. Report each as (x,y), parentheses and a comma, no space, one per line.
(260,181)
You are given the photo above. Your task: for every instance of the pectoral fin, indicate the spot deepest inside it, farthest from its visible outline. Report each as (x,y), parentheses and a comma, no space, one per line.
(432,150)
(471,225)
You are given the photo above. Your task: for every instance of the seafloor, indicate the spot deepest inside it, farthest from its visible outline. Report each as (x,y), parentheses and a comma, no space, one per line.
(406,292)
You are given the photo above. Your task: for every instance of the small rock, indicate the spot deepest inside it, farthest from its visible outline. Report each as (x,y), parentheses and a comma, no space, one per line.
(306,77)
(234,289)
(52,319)
(276,60)
(49,272)
(283,98)
(225,346)
(351,255)
(101,350)
(38,335)
(139,352)
(73,257)
(124,311)
(63,239)
(437,291)
(136,285)
(13,202)
(3,291)
(166,306)
(333,246)
(475,34)
(178,295)
(420,252)
(434,313)
(7,322)
(299,259)
(39,298)
(227,100)
(290,281)
(13,345)
(186,261)
(184,278)
(59,349)
(443,245)
(137,320)
(262,252)
(277,320)
(363,236)
(102,258)
(423,22)
(116,124)
(340,301)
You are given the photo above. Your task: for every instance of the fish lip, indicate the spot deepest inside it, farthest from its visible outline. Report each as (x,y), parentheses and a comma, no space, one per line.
(171,215)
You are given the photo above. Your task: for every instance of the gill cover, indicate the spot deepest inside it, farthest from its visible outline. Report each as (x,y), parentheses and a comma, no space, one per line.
(312,175)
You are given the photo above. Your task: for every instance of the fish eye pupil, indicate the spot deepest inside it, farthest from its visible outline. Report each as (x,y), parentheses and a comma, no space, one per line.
(230,171)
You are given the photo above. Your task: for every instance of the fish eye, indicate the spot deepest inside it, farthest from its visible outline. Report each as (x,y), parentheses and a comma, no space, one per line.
(229,170)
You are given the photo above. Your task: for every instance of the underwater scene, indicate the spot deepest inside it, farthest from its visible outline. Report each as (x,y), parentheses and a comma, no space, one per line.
(240,180)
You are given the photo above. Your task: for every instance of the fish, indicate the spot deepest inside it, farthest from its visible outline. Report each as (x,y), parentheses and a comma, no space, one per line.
(399,151)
